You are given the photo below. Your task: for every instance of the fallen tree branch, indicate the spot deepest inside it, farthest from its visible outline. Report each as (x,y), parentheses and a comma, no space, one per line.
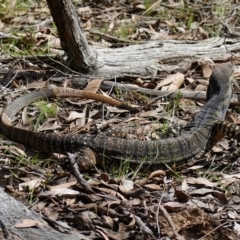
(194,95)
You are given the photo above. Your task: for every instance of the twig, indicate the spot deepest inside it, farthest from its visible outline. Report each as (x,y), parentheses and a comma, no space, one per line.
(157,214)
(110,37)
(24,171)
(212,231)
(169,219)
(150,8)
(142,225)
(59,63)
(12,78)
(194,95)
(230,32)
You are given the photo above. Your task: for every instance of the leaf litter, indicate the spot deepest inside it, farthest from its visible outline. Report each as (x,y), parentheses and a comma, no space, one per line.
(199,203)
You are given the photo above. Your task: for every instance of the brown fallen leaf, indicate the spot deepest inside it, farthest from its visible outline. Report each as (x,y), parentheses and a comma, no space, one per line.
(174,206)
(135,193)
(84,12)
(180,195)
(236,228)
(74,115)
(16,151)
(221,197)
(64,185)
(176,80)
(36,85)
(85,219)
(155,174)
(93,85)
(120,235)
(127,184)
(26,223)
(61,192)
(205,63)
(200,181)
(203,33)
(33,184)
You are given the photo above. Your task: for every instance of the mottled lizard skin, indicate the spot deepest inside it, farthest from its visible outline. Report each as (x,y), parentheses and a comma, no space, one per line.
(112,150)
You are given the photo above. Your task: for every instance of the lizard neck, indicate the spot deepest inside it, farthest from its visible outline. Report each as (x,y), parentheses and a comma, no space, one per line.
(215,108)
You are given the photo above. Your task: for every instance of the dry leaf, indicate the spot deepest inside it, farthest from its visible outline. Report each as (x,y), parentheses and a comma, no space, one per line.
(177,82)
(153,186)
(64,185)
(236,228)
(177,79)
(59,192)
(200,181)
(26,223)
(33,184)
(93,85)
(16,151)
(206,70)
(174,206)
(74,115)
(180,195)
(127,184)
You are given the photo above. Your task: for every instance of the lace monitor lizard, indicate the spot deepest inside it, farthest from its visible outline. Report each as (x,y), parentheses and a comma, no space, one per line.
(206,128)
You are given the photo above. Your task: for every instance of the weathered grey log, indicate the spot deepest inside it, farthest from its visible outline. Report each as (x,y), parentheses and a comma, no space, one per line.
(13,212)
(163,55)
(137,59)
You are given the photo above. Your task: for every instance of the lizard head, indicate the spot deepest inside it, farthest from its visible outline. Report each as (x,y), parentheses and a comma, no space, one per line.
(221,80)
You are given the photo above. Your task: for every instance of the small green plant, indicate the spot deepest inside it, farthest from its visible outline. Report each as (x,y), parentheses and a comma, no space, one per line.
(148,3)
(121,169)
(22,39)
(20,160)
(145,98)
(163,130)
(13,9)
(190,20)
(173,104)
(149,6)
(46,110)
(220,10)
(173,170)
(118,93)
(34,161)
(164,126)
(123,30)
(237,109)
(31,196)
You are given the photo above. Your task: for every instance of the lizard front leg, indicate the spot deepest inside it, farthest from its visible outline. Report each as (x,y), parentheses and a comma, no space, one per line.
(221,129)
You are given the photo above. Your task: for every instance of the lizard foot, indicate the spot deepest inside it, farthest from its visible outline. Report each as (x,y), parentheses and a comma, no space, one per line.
(85,159)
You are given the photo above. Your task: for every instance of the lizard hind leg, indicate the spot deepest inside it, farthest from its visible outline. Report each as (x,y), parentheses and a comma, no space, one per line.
(86,158)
